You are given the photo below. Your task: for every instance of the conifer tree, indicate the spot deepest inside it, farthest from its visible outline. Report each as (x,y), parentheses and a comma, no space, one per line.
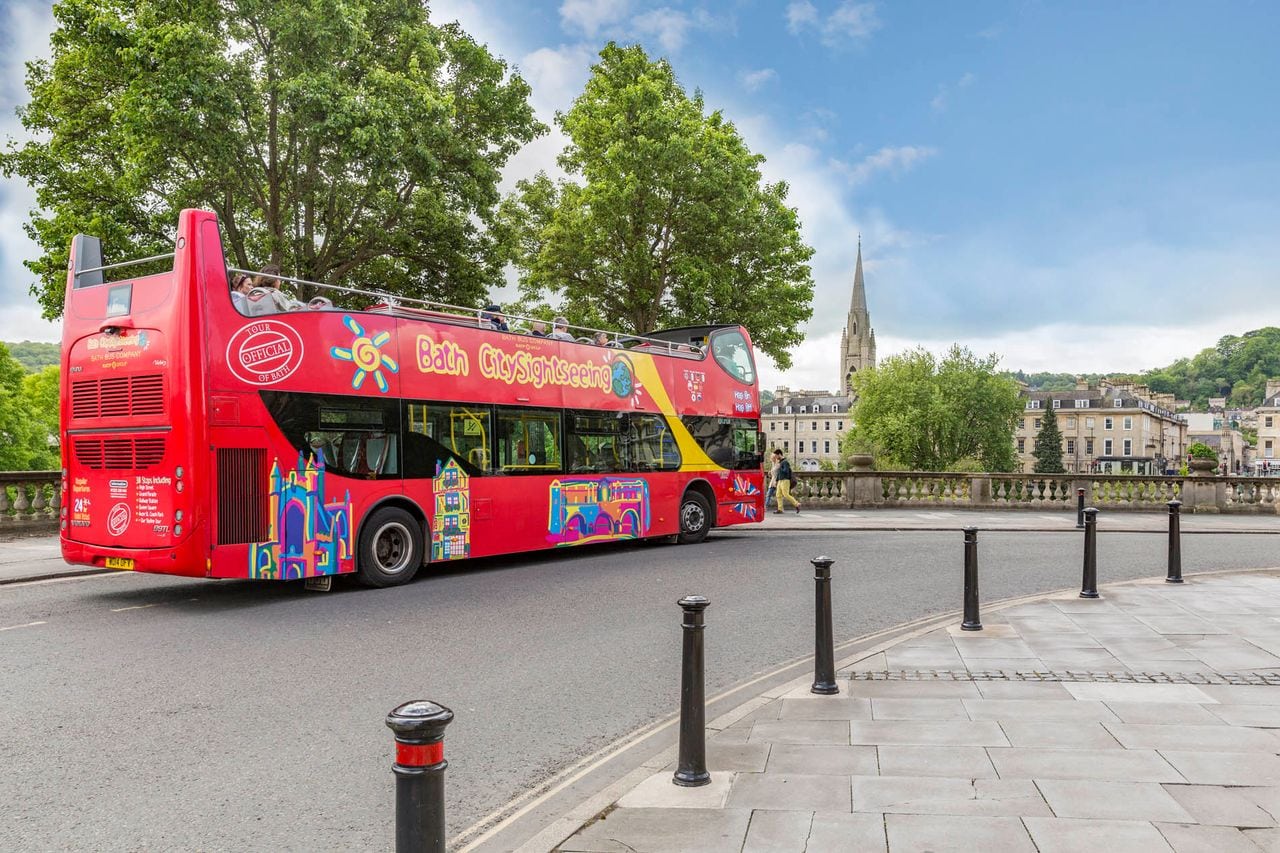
(1048,449)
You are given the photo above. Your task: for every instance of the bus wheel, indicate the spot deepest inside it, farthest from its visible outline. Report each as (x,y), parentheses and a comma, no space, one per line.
(390,548)
(695,518)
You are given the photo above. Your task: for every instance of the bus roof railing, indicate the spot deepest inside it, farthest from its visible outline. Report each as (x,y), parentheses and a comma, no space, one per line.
(466,313)
(132,263)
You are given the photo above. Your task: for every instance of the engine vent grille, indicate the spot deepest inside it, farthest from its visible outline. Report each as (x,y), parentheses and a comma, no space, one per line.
(242,495)
(119,454)
(118,397)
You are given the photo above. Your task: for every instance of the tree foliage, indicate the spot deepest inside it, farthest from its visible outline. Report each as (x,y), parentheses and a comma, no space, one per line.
(28,416)
(345,140)
(922,413)
(35,355)
(1048,447)
(1237,368)
(665,220)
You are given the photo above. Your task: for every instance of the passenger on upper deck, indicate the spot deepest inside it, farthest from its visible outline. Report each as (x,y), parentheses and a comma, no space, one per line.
(560,330)
(492,317)
(601,339)
(538,329)
(266,296)
(240,287)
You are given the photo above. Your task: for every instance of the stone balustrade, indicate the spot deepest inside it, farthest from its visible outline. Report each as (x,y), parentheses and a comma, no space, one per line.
(29,501)
(870,489)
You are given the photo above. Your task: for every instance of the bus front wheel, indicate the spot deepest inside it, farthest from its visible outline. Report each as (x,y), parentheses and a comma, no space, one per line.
(390,548)
(695,518)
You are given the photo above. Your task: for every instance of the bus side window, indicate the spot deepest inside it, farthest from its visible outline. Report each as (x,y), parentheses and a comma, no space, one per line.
(437,433)
(528,441)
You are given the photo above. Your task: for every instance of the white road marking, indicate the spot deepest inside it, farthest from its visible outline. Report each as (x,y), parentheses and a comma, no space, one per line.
(28,625)
(134,607)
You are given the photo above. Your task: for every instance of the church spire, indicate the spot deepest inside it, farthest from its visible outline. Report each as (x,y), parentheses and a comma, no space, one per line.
(858,306)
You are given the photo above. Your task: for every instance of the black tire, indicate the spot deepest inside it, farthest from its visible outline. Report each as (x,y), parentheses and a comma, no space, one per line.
(391,550)
(695,518)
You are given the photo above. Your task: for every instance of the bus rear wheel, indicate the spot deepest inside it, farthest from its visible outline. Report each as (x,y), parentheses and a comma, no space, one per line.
(390,548)
(695,518)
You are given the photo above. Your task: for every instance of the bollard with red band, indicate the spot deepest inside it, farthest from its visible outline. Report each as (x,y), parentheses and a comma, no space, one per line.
(419,768)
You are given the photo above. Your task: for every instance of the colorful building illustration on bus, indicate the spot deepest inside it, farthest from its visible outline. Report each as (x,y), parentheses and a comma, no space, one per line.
(307,537)
(598,509)
(451,525)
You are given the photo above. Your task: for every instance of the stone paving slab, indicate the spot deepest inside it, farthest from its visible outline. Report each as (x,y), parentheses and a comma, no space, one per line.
(1146,720)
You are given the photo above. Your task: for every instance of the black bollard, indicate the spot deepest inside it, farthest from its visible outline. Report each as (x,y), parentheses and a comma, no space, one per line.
(824,653)
(419,769)
(972,621)
(1080,509)
(1175,542)
(691,770)
(1089,586)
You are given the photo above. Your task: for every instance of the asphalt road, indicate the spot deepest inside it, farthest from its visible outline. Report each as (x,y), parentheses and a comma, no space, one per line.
(155,713)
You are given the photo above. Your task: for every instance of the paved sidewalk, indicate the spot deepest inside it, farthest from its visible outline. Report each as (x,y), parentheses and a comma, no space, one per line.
(34,557)
(1009,519)
(1147,720)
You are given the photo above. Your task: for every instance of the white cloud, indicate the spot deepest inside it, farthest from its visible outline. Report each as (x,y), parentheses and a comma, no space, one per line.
(942,99)
(894,161)
(592,16)
(801,15)
(753,80)
(24,35)
(668,26)
(851,21)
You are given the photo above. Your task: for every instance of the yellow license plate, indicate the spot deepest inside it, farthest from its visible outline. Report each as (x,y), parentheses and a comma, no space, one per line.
(120,563)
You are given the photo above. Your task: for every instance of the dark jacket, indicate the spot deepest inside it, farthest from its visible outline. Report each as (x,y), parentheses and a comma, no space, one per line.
(784,472)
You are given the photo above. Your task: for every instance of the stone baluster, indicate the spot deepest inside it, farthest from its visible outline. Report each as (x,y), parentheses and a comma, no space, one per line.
(38,505)
(21,505)
(4,502)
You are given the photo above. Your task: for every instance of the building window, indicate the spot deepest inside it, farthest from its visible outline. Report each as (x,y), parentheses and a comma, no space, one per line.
(1128,447)
(815,447)
(788,410)
(773,426)
(826,447)
(786,446)
(1088,446)
(1071,445)
(1022,445)
(1033,404)
(1107,423)
(839,444)
(1071,423)
(1117,403)
(1082,404)
(1037,423)
(804,409)
(1106,447)
(835,409)
(826,425)
(814,426)
(840,425)
(1268,420)
(1128,423)
(775,410)
(1057,404)
(1088,423)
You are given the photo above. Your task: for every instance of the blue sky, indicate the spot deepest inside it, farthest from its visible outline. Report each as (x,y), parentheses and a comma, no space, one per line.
(1077,186)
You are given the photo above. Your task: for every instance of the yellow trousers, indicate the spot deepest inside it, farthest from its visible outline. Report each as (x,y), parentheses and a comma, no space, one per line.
(784,494)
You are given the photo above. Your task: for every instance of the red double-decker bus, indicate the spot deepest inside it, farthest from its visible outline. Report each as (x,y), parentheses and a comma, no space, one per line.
(306,443)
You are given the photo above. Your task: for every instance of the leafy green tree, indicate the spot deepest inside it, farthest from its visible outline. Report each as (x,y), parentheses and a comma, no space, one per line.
(23,440)
(345,140)
(40,392)
(665,220)
(928,414)
(1048,448)
(35,355)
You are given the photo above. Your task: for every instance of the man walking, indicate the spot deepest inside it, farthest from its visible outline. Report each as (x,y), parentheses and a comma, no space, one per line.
(784,479)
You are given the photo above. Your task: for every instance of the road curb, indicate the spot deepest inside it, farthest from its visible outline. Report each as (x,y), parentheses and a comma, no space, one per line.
(49,576)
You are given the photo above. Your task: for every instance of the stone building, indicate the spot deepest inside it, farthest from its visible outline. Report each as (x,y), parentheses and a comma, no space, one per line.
(1266,458)
(858,341)
(1217,431)
(1107,428)
(808,426)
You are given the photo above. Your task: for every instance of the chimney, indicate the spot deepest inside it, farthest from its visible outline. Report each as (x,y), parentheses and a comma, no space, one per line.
(1082,384)
(1273,388)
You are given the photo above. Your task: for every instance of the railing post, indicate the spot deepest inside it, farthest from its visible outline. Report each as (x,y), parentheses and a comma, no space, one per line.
(1089,585)
(691,770)
(1175,542)
(824,655)
(20,506)
(419,768)
(1080,508)
(972,621)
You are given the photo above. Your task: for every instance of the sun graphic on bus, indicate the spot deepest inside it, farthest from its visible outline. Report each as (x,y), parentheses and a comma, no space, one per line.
(367,355)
